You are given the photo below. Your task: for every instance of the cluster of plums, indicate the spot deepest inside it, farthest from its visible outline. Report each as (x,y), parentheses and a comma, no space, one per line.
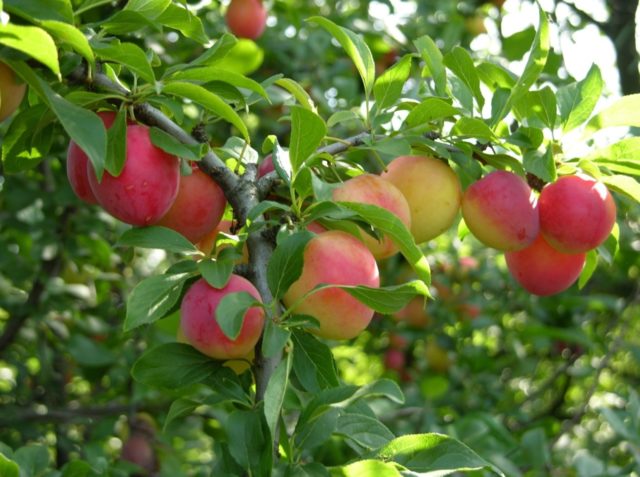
(545,238)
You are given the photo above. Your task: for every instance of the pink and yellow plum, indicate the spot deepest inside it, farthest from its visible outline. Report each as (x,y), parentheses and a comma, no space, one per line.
(147,186)
(334,258)
(246,18)
(12,91)
(542,270)
(577,213)
(198,207)
(432,190)
(501,211)
(199,325)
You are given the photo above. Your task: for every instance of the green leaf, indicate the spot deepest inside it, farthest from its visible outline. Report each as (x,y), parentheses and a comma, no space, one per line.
(541,165)
(625,149)
(342,117)
(173,366)
(170,144)
(71,36)
(206,74)
(388,87)
(90,353)
(33,41)
(129,55)
(125,21)
(459,61)
(313,362)
(298,92)
(180,18)
(495,76)
(34,10)
(366,468)
(32,459)
(180,408)
(83,126)
(274,395)
(381,388)
(216,272)
(249,443)
(355,47)
(577,100)
(156,237)
(231,310)
(430,109)
(387,300)
(365,431)
(589,267)
(473,127)
(623,184)
(117,144)
(537,57)
(153,298)
(19,151)
(274,339)
(208,100)
(285,264)
(8,468)
(307,132)
(432,57)
(318,429)
(623,112)
(433,455)
(535,449)
(387,223)
(539,104)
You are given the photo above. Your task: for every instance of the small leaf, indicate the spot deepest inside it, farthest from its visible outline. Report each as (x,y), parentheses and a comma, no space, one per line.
(274,395)
(156,237)
(180,408)
(231,311)
(623,112)
(541,165)
(473,127)
(285,264)
(173,366)
(8,468)
(388,87)
(33,41)
(429,110)
(182,19)
(297,92)
(129,55)
(206,74)
(537,57)
(208,100)
(71,36)
(313,362)
(274,339)
(433,455)
(460,62)
(623,184)
(432,56)
(171,145)
(153,298)
(249,443)
(355,47)
(33,10)
(316,431)
(387,300)
(307,132)
(117,144)
(216,272)
(32,459)
(366,468)
(577,100)
(365,431)
(589,267)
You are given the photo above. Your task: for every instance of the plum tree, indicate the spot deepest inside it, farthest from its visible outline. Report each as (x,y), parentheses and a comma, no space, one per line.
(246,18)
(577,213)
(371,189)
(77,164)
(198,320)
(198,207)
(543,270)
(11,91)
(147,185)
(432,191)
(500,210)
(334,258)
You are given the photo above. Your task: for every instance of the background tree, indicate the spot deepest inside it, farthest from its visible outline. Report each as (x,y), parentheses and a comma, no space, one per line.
(485,379)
